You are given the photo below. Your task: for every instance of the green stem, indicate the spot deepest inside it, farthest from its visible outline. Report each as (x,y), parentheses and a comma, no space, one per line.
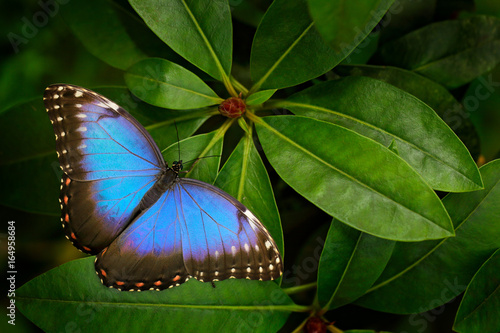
(218,136)
(301,288)
(239,86)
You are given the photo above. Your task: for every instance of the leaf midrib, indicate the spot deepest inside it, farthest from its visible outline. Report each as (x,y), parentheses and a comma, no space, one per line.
(345,174)
(280,59)
(437,61)
(206,41)
(326,110)
(389,280)
(215,99)
(284,308)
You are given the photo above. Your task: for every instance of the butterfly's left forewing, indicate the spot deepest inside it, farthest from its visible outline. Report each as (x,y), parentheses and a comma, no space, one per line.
(109,162)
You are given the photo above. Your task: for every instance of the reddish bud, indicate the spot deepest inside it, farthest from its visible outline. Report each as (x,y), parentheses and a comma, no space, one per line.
(232,107)
(315,325)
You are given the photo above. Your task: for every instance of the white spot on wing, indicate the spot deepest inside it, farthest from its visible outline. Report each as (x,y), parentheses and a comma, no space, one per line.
(233,250)
(81,129)
(78,94)
(59,118)
(113,105)
(81,115)
(268,244)
(247,248)
(56,107)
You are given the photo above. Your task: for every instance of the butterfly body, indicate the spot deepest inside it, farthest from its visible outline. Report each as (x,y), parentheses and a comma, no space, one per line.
(150,228)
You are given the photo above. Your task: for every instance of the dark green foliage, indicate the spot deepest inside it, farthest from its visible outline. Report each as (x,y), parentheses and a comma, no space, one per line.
(381,115)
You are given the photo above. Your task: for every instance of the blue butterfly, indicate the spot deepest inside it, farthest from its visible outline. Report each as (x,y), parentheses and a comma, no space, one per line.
(149,228)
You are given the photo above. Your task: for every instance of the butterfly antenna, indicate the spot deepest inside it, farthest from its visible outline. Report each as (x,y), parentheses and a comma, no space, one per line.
(178,141)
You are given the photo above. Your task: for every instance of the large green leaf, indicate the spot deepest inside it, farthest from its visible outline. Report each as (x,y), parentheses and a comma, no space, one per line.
(350,262)
(71,296)
(343,23)
(199,30)
(452,53)
(384,113)
(340,172)
(422,276)
(429,92)
(165,84)
(287,49)
(33,152)
(479,308)
(112,33)
(200,155)
(245,177)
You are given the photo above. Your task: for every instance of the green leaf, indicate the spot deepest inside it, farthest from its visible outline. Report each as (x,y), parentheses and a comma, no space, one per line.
(33,152)
(247,12)
(343,23)
(287,49)
(422,138)
(199,30)
(452,53)
(201,155)
(165,84)
(429,92)
(245,177)
(450,263)
(112,33)
(350,262)
(260,97)
(365,331)
(394,147)
(71,296)
(478,311)
(339,171)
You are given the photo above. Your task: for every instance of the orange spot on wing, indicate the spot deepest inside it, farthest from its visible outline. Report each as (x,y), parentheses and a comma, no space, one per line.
(66,218)
(103,272)
(86,248)
(157,283)
(68,181)
(65,199)
(73,235)
(176,278)
(139,284)
(104,251)
(120,283)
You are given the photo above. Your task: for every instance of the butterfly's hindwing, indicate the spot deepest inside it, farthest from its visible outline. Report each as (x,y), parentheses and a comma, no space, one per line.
(95,212)
(148,254)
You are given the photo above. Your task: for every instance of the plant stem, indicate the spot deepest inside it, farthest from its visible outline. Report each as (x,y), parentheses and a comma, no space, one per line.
(298,289)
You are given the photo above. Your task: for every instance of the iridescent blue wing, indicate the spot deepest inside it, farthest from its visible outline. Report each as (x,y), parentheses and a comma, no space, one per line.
(193,230)
(109,162)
